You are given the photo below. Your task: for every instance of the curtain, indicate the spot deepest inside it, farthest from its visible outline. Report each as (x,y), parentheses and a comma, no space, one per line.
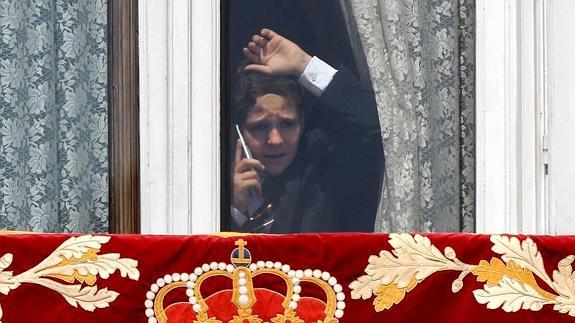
(53,115)
(419,55)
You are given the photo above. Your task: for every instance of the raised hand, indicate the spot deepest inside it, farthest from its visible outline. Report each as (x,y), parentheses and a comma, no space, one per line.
(271,53)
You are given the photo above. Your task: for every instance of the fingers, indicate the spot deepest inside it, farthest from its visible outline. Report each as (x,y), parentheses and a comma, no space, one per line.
(253,184)
(260,41)
(250,56)
(254,49)
(245,165)
(249,175)
(268,33)
(259,68)
(238,152)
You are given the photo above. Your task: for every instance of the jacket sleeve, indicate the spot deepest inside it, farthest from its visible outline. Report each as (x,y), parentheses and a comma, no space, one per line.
(355,165)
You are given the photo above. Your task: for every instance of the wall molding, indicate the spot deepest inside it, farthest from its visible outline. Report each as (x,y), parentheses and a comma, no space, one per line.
(179,118)
(511,116)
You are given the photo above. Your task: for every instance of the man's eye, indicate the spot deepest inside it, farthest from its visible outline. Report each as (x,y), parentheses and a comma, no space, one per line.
(287,124)
(258,127)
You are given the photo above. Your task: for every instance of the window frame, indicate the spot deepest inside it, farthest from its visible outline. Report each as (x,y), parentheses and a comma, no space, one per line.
(187,194)
(123,114)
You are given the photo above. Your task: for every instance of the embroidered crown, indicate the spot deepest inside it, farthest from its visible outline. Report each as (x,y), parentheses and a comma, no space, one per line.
(260,292)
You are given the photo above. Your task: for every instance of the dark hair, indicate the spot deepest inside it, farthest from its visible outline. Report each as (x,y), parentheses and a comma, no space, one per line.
(250,85)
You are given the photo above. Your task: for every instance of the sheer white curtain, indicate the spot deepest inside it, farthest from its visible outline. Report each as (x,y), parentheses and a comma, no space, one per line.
(53,115)
(419,55)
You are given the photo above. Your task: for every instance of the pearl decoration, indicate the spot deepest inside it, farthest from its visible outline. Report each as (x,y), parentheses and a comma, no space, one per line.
(332,281)
(243,299)
(337,288)
(299,274)
(317,273)
(206,267)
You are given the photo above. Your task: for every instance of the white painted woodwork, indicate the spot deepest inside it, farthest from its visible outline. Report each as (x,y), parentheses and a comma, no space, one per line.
(493,98)
(525,76)
(561,110)
(524,80)
(179,116)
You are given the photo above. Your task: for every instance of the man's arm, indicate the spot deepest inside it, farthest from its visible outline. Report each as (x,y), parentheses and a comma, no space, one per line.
(352,104)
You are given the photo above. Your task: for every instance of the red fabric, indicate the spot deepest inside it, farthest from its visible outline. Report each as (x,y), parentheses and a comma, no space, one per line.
(267,306)
(345,256)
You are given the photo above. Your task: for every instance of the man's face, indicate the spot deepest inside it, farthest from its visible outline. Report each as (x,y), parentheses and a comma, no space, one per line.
(272,130)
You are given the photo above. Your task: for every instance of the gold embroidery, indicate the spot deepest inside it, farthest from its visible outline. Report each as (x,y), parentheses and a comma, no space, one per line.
(241,272)
(492,273)
(289,316)
(510,282)
(159,300)
(76,259)
(388,295)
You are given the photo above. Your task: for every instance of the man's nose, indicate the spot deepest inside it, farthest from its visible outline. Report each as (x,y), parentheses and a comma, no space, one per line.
(274,137)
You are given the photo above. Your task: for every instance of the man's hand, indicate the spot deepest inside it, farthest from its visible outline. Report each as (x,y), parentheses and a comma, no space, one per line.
(245,178)
(273,54)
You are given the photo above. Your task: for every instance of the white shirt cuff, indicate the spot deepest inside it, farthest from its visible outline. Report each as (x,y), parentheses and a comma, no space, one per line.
(316,76)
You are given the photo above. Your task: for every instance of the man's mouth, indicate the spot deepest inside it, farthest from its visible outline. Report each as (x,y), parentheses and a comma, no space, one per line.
(273,157)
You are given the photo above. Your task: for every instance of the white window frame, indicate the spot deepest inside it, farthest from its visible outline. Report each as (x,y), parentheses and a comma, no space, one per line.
(511,132)
(180,144)
(179,116)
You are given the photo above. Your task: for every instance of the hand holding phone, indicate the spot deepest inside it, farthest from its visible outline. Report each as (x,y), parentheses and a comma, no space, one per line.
(255,200)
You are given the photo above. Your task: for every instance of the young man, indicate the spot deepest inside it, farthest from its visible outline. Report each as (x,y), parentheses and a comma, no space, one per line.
(316,180)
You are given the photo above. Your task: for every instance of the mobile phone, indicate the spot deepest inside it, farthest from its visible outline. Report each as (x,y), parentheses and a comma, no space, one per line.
(245,147)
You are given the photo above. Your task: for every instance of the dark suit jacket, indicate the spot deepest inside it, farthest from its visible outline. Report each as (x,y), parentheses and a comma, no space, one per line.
(334,183)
